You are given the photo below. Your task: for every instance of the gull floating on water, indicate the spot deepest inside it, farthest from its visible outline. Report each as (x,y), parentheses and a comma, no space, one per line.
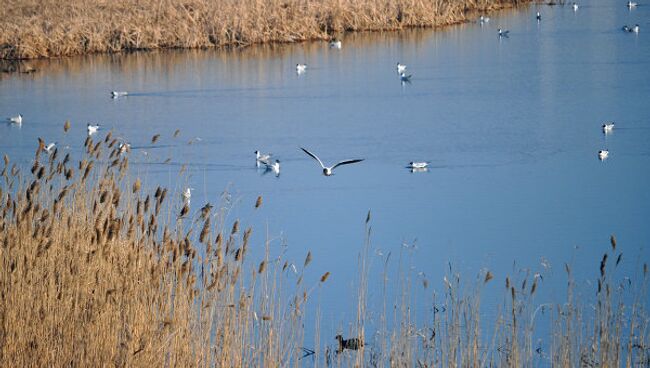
(503,33)
(275,167)
(538,16)
(116,94)
(18,120)
(603,154)
(92,128)
(631,4)
(482,19)
(418,165)
(335,44)
(401,68)
(635,29)
(608,127)
(327,171)
(262,158)
(405,78)
(301,68)
(575,6)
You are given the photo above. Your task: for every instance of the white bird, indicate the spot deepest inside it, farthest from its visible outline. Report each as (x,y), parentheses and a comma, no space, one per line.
(116,94)
(187,195)
(538,16)
(631,4)
(18,120)
(418,165)
(401,68)
(482,19)
(608,127)
(635,29)
(405,78)
(301,68)
(603,154)
(327,171)
(92,128)
(124,147)
(575,6)
(50,147)
(335,44)
(262,158)
(275,167)
(503,33)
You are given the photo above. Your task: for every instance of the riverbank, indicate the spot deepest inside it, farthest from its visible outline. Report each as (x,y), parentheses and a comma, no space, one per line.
(43,29)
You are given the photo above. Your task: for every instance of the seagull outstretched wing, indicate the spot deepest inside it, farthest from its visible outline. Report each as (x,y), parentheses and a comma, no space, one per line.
(345,162)
(315,157)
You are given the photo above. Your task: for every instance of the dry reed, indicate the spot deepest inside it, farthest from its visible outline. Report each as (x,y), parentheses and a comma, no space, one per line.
(96,271)
(40,29)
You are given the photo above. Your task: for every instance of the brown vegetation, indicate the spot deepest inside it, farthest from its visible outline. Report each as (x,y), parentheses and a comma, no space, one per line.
(49,28)
(96,271)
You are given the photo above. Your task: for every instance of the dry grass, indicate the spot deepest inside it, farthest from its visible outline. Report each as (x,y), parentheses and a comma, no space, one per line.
(95,271)
(39,29)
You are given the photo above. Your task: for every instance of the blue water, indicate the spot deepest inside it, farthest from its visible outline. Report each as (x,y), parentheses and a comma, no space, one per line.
(511,127)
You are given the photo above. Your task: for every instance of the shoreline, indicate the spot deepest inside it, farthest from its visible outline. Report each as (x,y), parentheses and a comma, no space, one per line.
(86,29)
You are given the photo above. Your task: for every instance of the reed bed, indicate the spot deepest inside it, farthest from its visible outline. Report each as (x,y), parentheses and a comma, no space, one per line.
(46,28)
(97,269)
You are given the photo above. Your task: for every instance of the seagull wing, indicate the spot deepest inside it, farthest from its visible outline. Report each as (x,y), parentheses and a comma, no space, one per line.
(347,162)
(314,157)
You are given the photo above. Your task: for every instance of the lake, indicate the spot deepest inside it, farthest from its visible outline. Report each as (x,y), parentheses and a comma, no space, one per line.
(511,128)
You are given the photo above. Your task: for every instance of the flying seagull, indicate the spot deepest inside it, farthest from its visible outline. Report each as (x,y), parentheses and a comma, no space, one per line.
(401,68)
(327,171)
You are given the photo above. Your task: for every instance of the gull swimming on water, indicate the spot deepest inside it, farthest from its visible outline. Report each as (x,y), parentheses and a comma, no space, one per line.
(603,154)
(275,167)
(262,158)
(301,68)
(418,165)
(401,68)
(482,19)
(608,127)
(92,128)
(327,171)
(18,120)
(116,94)
(635,29)
(631,4)
(575,6)
(503,33)
(538,16)
(335,44)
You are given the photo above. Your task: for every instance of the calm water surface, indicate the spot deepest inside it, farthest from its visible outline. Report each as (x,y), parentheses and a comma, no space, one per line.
(511,127)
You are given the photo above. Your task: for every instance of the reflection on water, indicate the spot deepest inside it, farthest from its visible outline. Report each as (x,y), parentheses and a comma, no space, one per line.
(512,129)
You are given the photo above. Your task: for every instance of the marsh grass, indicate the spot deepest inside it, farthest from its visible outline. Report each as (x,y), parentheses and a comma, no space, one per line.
(98,270)
(37,29)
